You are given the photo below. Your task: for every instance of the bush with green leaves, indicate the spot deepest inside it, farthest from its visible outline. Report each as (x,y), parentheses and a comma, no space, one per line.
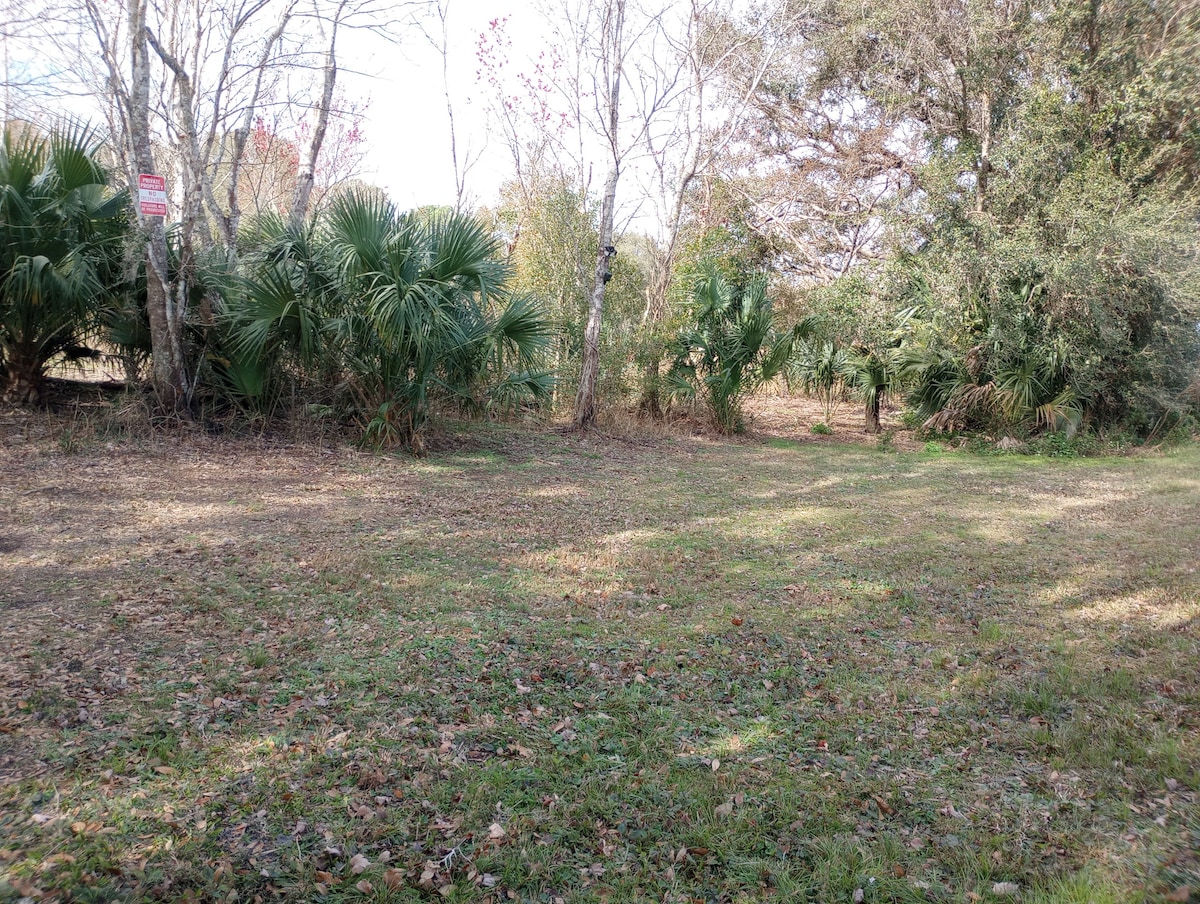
(729,349)
(1081,310)
(62,232)
(384,311)
(818,367)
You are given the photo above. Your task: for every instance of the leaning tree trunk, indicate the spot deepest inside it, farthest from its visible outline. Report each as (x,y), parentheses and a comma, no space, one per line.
(308,169)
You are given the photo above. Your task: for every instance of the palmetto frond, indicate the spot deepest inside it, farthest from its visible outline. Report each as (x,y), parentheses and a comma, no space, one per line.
(729,349)
(55,258)
(401,303)
(523,329)
(817,367)
(273,307)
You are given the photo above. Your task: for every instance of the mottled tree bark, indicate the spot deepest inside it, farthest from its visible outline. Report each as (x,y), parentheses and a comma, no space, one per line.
(613,53)
(872,414)
(169,371)
(585,399)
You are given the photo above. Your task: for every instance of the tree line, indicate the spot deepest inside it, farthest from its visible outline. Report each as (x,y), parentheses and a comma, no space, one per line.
(987,211)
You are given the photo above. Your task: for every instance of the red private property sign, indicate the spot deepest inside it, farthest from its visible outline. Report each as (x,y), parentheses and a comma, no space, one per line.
(152,195)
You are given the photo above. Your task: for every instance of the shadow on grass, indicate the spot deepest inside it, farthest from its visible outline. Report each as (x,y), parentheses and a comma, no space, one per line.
(941,671)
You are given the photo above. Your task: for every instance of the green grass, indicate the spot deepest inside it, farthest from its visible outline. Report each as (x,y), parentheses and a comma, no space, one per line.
(541,668)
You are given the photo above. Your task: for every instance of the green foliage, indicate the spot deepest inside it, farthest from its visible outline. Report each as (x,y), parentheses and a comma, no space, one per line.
(818,367)
(1039,216)
(872,374)
(729,349)
(552,234)
(1084,310)
(383,310)
(1066,294)
(61,234)
(729,246)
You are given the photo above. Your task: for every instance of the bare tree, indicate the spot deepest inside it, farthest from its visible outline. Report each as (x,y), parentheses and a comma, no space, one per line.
(439,40)
(566,116)
(304,179)
(628,88)
(182,85)
(175,119)
(229,218)
(696,130)
(611,51)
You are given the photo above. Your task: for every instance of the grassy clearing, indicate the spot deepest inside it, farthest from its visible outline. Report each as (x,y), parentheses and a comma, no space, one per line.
(537,668)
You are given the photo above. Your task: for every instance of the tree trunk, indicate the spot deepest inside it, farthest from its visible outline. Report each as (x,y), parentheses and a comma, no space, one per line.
(872,415)
(585,400)
(24,377)
(228,223)
(308,170)
(985,152)
(169,374)
(613,57)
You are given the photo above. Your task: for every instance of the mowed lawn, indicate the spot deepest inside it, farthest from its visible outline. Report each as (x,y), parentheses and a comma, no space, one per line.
(540,668)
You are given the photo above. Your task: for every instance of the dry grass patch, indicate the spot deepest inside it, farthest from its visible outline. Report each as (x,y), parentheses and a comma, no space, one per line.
(537,668)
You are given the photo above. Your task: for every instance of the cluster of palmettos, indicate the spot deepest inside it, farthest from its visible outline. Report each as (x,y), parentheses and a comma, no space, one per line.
(374,316)
(378,311)
(363,308)
(62,232)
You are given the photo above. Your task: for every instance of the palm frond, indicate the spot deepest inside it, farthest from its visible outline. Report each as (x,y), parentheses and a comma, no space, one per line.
(523,327)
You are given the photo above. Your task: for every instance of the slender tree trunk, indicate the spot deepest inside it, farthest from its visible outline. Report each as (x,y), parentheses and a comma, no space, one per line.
(193,225)
(613,55)
(872,415)
(985,152)
(308,169)
(169,373)
(585,400)
(228,223)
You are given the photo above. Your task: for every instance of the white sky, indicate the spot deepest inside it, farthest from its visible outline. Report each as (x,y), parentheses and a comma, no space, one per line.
(406,126)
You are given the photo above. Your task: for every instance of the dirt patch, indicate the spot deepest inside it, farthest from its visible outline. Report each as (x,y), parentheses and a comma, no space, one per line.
(792,417)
